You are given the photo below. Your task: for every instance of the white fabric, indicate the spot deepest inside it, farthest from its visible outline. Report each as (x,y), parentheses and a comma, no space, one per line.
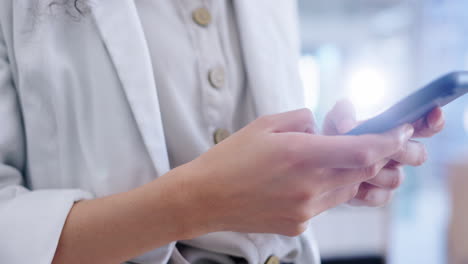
(198,256)
(191,108)
(81,116)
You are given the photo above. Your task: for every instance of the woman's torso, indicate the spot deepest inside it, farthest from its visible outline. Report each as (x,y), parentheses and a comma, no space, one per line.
(84,118)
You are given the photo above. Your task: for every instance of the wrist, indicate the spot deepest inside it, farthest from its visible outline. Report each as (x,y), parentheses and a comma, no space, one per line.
(187,201)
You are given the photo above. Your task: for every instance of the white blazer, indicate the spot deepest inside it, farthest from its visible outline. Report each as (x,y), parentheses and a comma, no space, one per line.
(80,115)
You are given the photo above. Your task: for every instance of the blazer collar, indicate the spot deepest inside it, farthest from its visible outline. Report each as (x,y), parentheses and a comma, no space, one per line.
(270,50)
(122,34)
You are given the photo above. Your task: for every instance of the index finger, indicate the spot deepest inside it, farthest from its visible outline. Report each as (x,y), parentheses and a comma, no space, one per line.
(351,151)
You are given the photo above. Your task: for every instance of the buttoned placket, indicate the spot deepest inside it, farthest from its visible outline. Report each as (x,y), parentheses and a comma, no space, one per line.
(212,67)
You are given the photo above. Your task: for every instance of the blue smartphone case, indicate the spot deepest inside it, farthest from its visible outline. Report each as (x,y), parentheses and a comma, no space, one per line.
(415,106)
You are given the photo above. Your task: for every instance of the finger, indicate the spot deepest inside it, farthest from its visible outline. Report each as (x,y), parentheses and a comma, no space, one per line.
(338,196)
(340,119)
(347,151)
(388,179)
(346,177)
(301,120)
(391,164)
(413,153)
(429,125)
(369,195)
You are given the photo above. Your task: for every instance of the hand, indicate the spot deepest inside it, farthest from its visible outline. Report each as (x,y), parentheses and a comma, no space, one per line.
(275,174)
(379,190)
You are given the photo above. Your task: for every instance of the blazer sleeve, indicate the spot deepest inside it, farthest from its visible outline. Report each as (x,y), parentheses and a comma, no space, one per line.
(30,221)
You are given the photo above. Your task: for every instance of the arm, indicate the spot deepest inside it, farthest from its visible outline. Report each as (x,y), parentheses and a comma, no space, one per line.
(118,227)
(30,222)
(279,171)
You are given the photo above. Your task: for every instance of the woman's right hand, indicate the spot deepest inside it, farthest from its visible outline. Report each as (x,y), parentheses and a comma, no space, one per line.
(276,173)
(270,177)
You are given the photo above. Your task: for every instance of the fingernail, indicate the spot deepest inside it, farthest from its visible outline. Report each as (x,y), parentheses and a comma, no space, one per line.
(408,131)
(438,124)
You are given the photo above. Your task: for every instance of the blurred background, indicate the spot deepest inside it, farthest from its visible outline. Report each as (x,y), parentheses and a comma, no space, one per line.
(375,52)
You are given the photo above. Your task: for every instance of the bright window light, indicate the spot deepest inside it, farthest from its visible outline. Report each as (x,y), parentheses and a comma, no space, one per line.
(310,76)
(367,87)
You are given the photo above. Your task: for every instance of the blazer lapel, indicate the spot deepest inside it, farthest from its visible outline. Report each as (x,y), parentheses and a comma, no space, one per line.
(270,46)
(121,31)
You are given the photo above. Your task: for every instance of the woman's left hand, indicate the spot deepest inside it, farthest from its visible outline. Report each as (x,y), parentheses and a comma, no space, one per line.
(379,190)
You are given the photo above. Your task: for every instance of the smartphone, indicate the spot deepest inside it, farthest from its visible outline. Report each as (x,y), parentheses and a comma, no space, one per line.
(415,106)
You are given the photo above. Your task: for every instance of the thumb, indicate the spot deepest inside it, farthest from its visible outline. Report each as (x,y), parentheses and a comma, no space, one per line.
(301,120)
(340,119)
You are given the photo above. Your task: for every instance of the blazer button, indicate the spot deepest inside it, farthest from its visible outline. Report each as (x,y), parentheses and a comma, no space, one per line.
(273,260)
(201,16)
(220,135)
(216,77)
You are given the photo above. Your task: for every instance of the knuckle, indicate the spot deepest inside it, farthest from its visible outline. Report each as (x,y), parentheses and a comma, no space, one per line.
(422,158)
(350,194)
(291,154)
(398,143)
(399,155)
(282,147)
(396,180)
(354,191)
(343,196)
(369,172)
(363,158)
(266,121)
